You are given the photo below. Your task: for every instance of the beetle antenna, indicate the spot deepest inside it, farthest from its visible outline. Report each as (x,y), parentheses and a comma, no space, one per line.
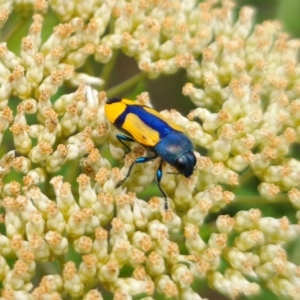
(173,173)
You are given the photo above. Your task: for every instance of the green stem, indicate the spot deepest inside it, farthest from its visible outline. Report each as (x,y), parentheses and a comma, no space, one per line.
(61,261)
(119,89)
(107,69)
(88,68)
(15,29)
(259,199)
(245,176)
(47,268)
(71,173)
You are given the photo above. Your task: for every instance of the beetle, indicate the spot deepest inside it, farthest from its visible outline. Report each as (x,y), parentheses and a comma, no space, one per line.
(144,125)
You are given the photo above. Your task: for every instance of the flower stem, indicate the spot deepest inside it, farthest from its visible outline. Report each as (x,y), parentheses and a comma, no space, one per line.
(107,68)
(14,30)
(119,89)
(245,176)
(259,199)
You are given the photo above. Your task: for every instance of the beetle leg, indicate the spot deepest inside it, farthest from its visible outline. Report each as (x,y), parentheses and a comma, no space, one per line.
(138,161)
(158,178)
(122,138)
(127,175)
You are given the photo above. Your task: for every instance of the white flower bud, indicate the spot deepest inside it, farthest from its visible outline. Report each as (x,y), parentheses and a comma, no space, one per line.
(22,141)
(13,221)
(249,239)
(245,220)
(133,286)
(182,275)
(104,208)
(92,295)
(155,264)
(109,272)
(76,224)
(55,219)
(58,244)
(87,269)
(246,262)
(83,245)
(72,282)
(166,286)
(36,224)
(6,250)
(39,248)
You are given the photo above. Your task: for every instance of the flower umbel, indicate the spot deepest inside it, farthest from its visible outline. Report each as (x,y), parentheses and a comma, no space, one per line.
(58,181)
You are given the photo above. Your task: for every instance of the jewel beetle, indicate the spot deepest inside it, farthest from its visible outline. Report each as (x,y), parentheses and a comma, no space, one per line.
(146,126)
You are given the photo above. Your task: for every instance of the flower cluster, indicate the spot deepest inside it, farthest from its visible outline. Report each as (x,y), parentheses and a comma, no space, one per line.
(62,213)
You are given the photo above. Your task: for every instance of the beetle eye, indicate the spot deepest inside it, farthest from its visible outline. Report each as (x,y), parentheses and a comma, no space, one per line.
(185,164)
(180,164)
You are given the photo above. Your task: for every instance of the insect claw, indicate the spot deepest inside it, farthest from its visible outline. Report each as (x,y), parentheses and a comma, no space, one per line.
(166,205)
